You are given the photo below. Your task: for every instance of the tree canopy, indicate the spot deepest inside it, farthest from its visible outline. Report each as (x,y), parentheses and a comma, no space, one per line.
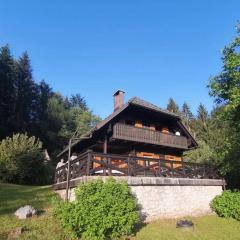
(27,106)
(172,106)
(225,88)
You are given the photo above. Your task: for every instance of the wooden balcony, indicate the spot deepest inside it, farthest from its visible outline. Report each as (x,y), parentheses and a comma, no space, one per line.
(100,164)
(131,133)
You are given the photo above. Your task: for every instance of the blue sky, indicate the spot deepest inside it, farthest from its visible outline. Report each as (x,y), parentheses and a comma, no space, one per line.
(152,49)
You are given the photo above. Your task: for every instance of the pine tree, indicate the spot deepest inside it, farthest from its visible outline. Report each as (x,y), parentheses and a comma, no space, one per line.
(202,114)
(26,90)
(44,94)
(172,106)
(26,106)
(187,115)
(7,87)
(40,125)
(77,101)
(186,112)
(201,125)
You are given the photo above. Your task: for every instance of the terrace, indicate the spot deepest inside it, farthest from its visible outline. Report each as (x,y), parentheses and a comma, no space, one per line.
(99,164)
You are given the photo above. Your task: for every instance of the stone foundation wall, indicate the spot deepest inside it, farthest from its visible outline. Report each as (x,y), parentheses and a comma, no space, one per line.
(175,201)
(166,197)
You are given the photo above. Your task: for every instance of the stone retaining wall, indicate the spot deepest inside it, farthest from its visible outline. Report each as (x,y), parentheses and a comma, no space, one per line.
(164,197)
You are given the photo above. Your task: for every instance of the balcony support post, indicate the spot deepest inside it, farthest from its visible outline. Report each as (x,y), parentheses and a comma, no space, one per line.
(105,151)
(89,161)
(68,168)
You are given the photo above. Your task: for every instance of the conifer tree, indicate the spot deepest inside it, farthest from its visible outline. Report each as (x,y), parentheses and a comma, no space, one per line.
(186,112)
(172,106)
(78,101)
(7,87)
(25,94)
(202,114)
(187,115)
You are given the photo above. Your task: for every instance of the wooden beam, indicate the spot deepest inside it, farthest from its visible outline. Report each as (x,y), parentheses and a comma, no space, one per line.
(105,151)
(105,144)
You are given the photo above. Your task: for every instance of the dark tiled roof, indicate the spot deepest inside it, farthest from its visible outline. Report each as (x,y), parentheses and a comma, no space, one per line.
(145,104)
(135,101)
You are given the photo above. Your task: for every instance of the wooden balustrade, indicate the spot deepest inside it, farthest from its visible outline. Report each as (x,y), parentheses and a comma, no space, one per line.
(131,133)
(92,163)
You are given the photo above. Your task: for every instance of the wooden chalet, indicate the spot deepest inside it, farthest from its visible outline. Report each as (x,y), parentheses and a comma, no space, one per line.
(137,139)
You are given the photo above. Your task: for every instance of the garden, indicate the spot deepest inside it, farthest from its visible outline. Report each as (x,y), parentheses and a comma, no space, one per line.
(48,226)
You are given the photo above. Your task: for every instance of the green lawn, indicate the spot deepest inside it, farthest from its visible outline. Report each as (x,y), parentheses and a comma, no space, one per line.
(46,227)
(42,227)
(206,228)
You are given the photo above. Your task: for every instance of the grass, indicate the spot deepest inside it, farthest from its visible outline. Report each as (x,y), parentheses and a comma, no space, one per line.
(42,227)
(12,196)
(205,228)
(46,227)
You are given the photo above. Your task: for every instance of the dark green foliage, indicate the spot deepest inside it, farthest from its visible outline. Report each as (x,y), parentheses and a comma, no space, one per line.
(25,92)
(34,108)
(202,124)
(225,86)
(7,88)
(77,101)
(227,205)
(202,114)
(21,160)
(186,113)
(101,210)
(27,106)
(172,106)
(210,132)
(63,118)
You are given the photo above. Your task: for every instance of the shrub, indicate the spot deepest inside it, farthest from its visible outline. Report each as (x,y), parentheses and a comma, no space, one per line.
(227,205)
(21,159)
(101,210)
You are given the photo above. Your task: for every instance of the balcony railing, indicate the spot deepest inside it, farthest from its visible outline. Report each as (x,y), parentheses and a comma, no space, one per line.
(131,133)
(92,163)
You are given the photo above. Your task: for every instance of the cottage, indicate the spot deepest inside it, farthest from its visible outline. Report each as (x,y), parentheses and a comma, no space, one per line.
(143,144)
(137,139)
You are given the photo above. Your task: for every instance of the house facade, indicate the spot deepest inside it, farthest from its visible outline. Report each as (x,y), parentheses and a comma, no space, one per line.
(140,128)
(137,139)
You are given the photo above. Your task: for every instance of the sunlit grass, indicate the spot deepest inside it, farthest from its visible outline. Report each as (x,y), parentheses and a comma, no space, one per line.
(205,228)
(14,196)
(46,227)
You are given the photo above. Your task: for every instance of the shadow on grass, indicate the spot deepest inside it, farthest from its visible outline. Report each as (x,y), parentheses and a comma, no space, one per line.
(138,227)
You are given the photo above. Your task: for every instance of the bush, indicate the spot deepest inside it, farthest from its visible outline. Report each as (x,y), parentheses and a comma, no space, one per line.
(227,205)
(21,160)
(101,210)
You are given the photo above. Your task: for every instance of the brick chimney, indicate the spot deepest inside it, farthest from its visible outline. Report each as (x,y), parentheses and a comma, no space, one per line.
(118,99)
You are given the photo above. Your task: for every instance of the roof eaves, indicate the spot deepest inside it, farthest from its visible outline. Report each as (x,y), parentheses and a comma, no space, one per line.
(139,102)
